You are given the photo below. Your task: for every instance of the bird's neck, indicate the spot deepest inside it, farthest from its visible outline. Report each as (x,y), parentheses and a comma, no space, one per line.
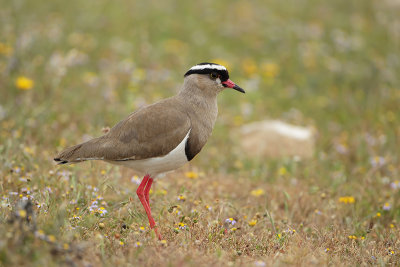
(199,101)
(202,110)
(201,107)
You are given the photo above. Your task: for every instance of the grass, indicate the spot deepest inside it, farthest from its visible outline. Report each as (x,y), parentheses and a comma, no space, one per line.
(87,64)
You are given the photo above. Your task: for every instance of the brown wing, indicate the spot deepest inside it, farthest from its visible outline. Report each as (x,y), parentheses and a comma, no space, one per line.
(152,131)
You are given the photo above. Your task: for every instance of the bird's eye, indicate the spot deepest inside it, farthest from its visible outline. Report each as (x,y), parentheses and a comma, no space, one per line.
(214,76)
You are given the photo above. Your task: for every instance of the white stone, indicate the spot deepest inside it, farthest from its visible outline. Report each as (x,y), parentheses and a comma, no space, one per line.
(276,139)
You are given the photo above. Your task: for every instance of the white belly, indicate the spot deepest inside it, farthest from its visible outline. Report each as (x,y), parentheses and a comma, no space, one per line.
(154,166)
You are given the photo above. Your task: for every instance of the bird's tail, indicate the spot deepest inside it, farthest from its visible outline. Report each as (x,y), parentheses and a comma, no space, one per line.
(69,155)
(77,153)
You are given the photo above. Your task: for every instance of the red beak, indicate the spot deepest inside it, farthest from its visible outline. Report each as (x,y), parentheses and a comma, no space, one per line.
(228,83)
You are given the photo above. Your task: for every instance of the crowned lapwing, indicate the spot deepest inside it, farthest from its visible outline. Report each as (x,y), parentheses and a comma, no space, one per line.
(163,136)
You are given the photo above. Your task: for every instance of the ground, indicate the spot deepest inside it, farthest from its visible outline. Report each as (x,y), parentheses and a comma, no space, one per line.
(68,69)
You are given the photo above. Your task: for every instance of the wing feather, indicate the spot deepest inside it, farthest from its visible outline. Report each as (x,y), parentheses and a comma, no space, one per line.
(152,131)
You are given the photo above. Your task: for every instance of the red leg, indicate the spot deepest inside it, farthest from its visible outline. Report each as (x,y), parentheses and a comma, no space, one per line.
(146,194)
(143,194)
(147,190)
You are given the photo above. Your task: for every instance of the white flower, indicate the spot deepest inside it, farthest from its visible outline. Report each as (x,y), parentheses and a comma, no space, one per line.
(260,264)
(377,161)
(135,179)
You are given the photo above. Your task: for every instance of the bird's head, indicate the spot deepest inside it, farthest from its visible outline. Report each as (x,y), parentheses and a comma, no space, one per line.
(210,77)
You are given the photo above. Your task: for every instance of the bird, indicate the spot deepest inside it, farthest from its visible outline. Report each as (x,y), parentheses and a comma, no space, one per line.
(163,136)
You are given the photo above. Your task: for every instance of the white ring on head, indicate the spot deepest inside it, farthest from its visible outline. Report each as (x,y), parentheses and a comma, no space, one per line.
(208,66)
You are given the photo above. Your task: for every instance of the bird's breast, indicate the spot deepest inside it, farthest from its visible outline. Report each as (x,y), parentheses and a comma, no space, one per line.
(198,137)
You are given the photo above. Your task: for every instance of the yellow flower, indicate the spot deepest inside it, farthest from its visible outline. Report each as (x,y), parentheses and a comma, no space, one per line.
(391,225)
(192,175)
(347,200)
(40,232)
(121,243)
(282,171)
(252,222)
(257,192)
(238,120)
(90,78)
(196,202)
(22,213)
(162,192)
(24,83)
(378,214)
(182,226)
(5,49)
(29,150)
(270,70)
(62,142)
(352,237)
(233,229)
(51,238)
(66,246)
(139,74)
(238,164)
(103,172)
(249,67)
(181,198)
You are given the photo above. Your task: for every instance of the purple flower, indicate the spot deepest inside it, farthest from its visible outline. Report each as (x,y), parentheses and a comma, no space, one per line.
(387,206)
(395,185)
(230,221)
(377,161)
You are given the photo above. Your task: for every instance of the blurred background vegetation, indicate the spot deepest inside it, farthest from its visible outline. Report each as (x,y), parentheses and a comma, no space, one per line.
(70,68)
(334,64)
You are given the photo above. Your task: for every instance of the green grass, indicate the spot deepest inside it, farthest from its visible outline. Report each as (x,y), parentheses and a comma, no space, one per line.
(332,65)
